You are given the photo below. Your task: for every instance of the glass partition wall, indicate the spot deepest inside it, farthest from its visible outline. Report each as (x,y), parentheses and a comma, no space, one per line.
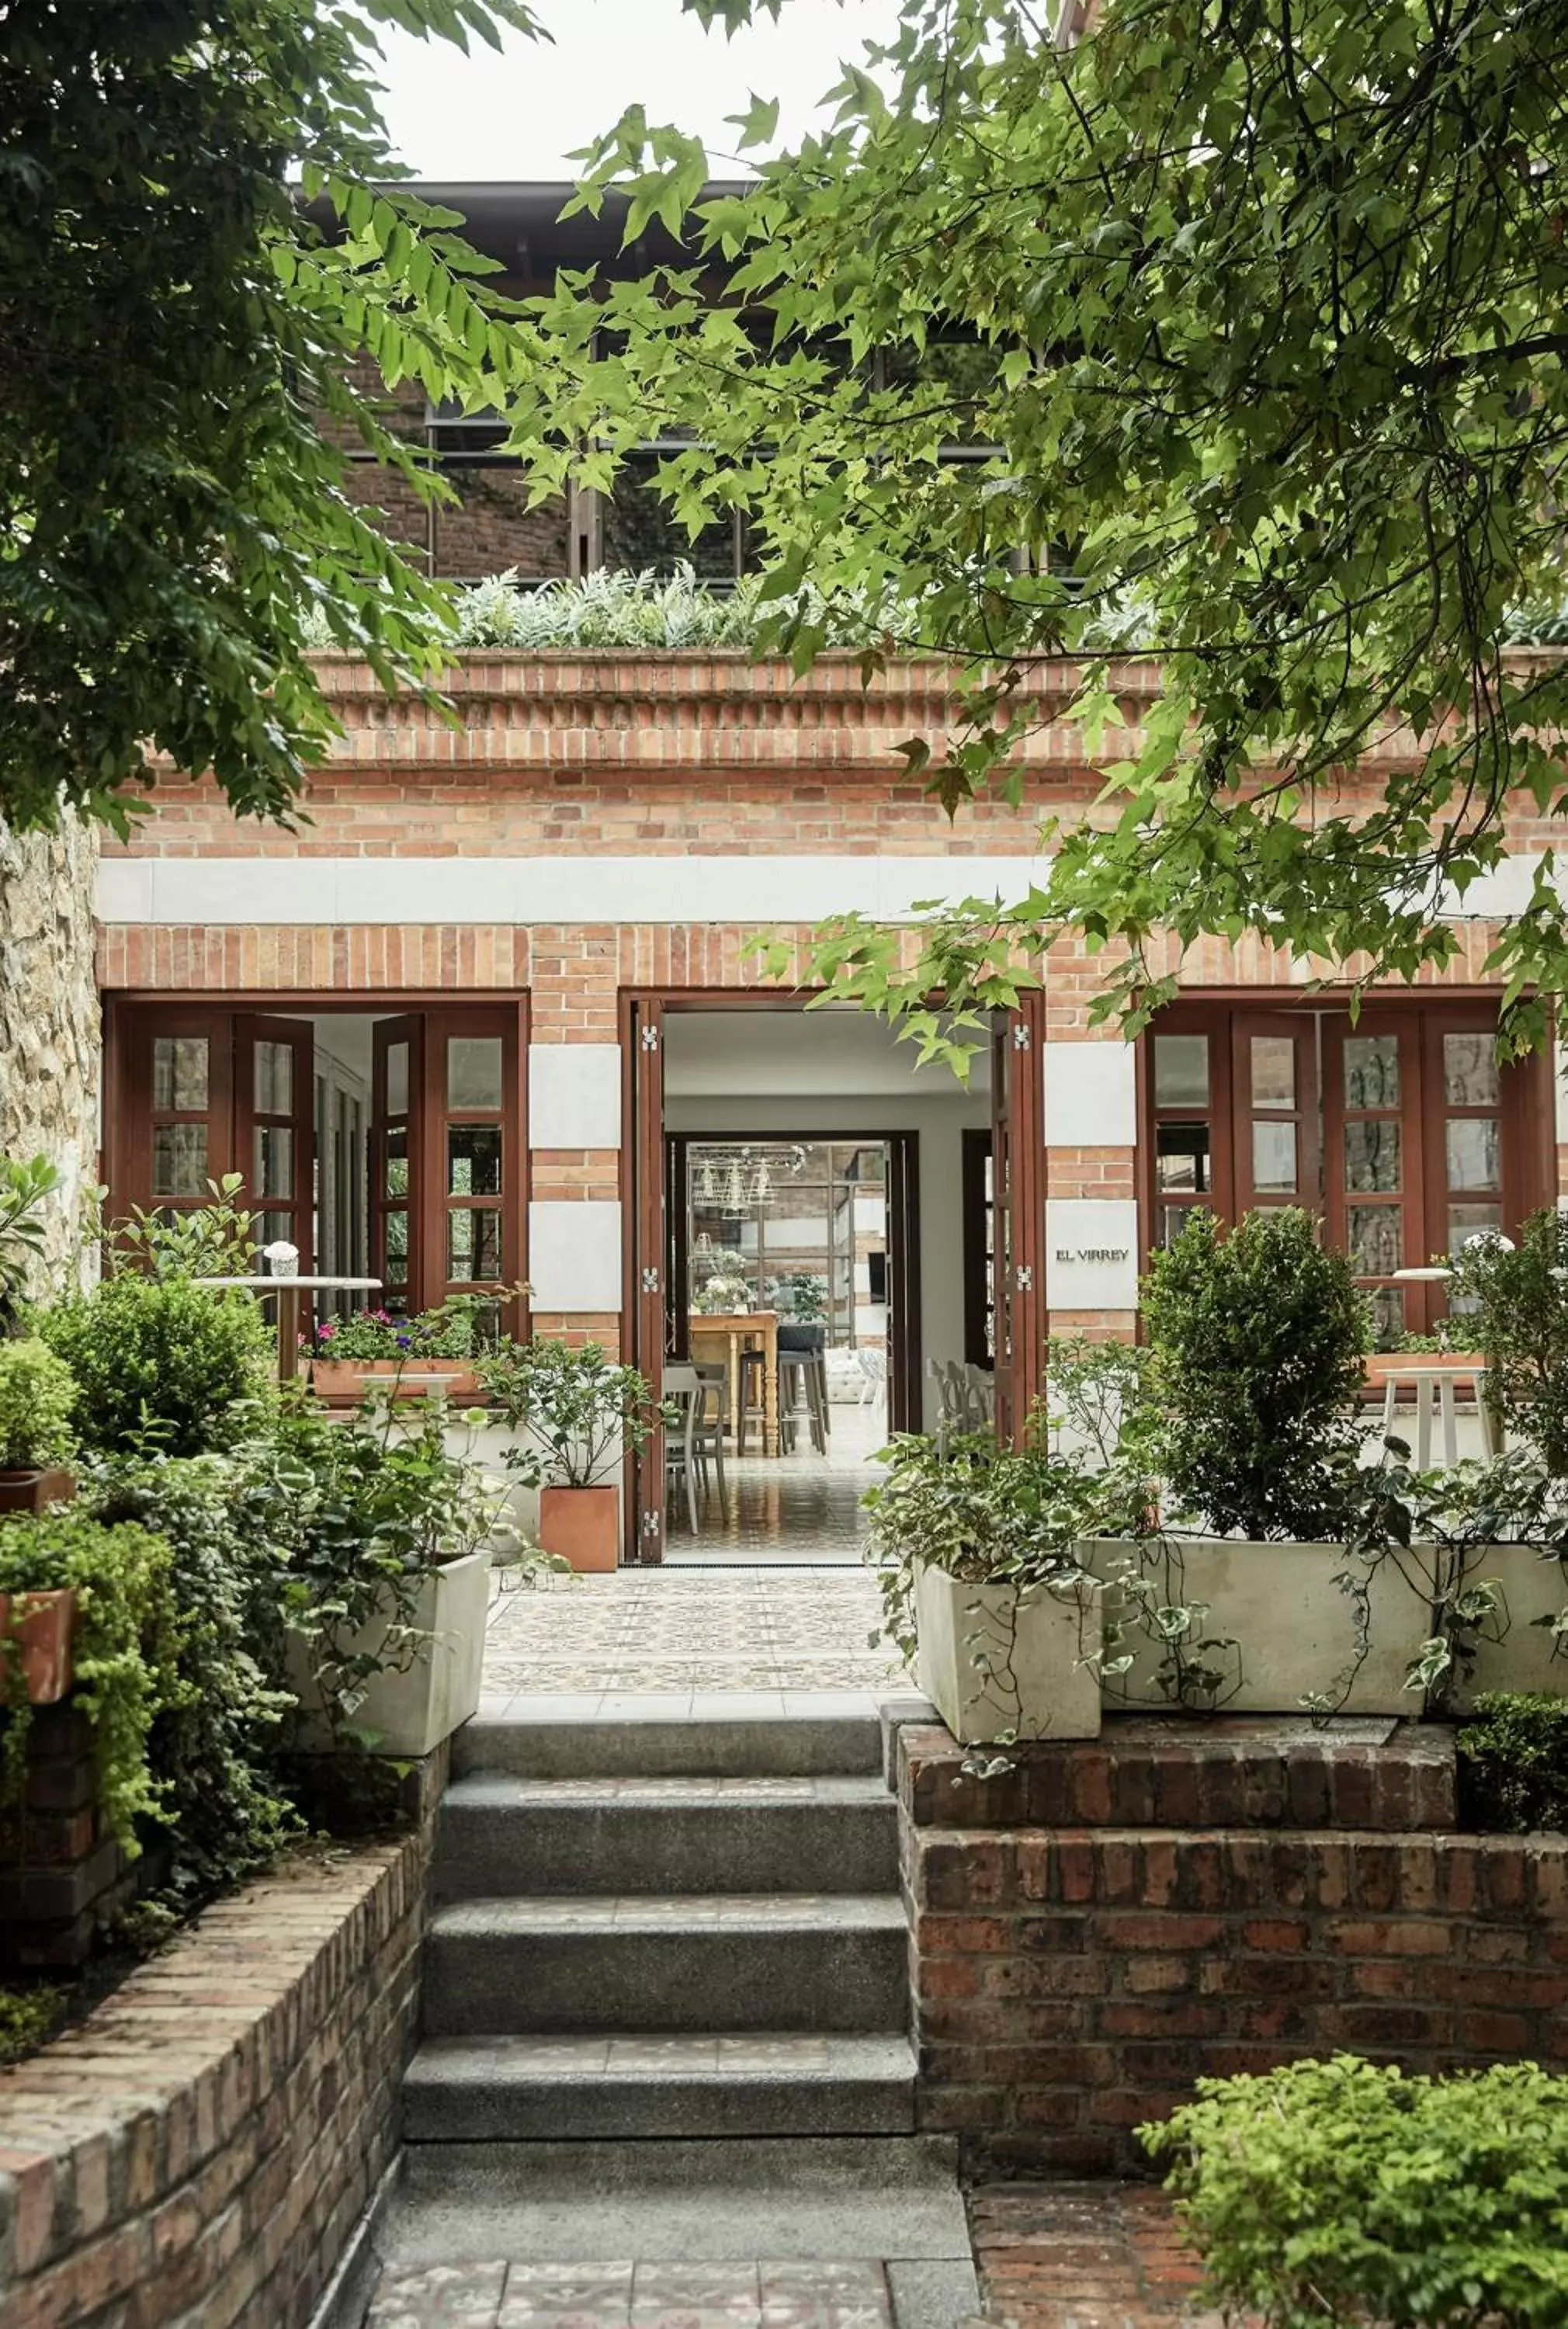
(799,1227)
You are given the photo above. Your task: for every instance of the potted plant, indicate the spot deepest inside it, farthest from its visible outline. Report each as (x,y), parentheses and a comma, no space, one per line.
(974,1549)
(581,1412)
(405,1357)
(1246,1595)
(37,1394)
(387,1582)
(24,1193)
(87,1608)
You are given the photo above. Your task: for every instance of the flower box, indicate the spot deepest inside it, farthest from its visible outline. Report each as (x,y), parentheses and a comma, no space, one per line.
(35,1491)
(409,1712)
(998,1662)
(1293,1624)
(343,1382)
(38,1631)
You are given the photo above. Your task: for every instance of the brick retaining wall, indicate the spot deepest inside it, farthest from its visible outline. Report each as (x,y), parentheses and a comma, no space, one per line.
(201,2147)
(1096,1928)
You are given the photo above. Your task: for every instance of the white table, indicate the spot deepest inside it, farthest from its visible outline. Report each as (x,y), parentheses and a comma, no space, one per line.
(288,1290)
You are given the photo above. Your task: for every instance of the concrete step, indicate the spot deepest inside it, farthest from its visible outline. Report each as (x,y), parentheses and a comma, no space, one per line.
(501,1835)
(636,1963)
(694,2084)
(890,2196)
(657,1745)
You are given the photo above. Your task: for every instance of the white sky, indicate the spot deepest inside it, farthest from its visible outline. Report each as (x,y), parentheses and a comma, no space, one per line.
(518,115)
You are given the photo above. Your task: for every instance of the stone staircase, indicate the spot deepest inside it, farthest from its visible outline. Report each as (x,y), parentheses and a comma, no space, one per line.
(662,1928)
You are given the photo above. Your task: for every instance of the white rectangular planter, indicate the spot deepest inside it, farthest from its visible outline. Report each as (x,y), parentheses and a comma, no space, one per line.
(1523,1660)
(995,1665)
(1293,1626)
(411,1712)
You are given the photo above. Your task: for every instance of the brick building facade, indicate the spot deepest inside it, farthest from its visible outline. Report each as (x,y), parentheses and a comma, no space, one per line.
(598,835)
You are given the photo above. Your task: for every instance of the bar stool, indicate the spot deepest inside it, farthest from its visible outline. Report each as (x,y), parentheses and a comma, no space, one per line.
(752,1400)
(799,1394)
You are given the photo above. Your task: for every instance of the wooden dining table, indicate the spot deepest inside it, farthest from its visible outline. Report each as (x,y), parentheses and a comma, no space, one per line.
(724,1336)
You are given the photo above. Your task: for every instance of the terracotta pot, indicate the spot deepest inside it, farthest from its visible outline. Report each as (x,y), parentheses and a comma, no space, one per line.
(31,1492)
(343,1382)
(42,1627)
(583,1525)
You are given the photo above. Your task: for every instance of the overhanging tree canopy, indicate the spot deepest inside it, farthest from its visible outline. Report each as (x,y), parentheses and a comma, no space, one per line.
(173,522)
(1260,307)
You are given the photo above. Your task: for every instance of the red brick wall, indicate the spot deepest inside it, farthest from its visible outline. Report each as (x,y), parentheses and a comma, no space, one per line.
(200,2147)
(1102,1924)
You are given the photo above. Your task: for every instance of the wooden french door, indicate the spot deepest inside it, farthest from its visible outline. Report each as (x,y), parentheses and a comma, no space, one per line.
(647,1213)
(173,1128)
(275,1129)
(446,1155)
(1018,1214)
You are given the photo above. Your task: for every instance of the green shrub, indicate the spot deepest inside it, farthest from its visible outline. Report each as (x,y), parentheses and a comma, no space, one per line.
(1522,1326)
(212,1742)
(160,1363)
(1514,1763)
(1256,1340)
(1343,2193)
(126,1653)
(30,2017)
(37,1393)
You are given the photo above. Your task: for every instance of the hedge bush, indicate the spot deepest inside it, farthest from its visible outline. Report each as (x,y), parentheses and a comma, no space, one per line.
(1347,2193)
(1513,1763)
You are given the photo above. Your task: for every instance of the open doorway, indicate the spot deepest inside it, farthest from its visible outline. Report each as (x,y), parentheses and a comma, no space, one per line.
(800,1178)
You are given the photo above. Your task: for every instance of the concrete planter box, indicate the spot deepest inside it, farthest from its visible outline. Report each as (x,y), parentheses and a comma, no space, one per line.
(1293,1626)
(1522,1660)
(994,1663)
(411,1712)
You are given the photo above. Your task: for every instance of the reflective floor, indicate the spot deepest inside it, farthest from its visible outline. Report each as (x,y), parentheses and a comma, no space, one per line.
(799,1507)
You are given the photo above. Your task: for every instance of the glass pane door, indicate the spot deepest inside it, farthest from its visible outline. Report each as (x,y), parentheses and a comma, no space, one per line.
(396,1165)
(1373,1136)
(274,1120)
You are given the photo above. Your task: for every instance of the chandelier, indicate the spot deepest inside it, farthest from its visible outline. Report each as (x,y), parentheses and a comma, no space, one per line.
(742,1179)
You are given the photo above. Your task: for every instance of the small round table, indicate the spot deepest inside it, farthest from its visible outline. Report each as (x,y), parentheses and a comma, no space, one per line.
(1435,1378)
(289,1291)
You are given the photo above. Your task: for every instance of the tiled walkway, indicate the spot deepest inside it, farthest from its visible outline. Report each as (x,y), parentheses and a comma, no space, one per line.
(676,1633)
(765,2295)
(1084,2256)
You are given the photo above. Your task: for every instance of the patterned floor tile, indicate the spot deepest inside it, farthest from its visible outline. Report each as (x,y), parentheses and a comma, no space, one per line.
(468,2293)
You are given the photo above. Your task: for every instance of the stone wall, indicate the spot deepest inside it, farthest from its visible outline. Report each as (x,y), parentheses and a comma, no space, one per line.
(200,2147)
(49,1017)
(1097,1926)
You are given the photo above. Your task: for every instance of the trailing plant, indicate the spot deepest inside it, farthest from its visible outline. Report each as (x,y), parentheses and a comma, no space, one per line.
(1522,1326)
(364,1509)
(1257,1341)
(213,1741)
(457,1329)
(37,1394)
(580,1409)
(1146,1594)
(1513,1763)
(981,1513)
(25,1189)
(1345,2192)
(1436,1528)
(160,1363)
(126,1650)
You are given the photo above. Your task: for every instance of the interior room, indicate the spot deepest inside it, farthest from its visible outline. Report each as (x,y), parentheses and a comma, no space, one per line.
(828,1236)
